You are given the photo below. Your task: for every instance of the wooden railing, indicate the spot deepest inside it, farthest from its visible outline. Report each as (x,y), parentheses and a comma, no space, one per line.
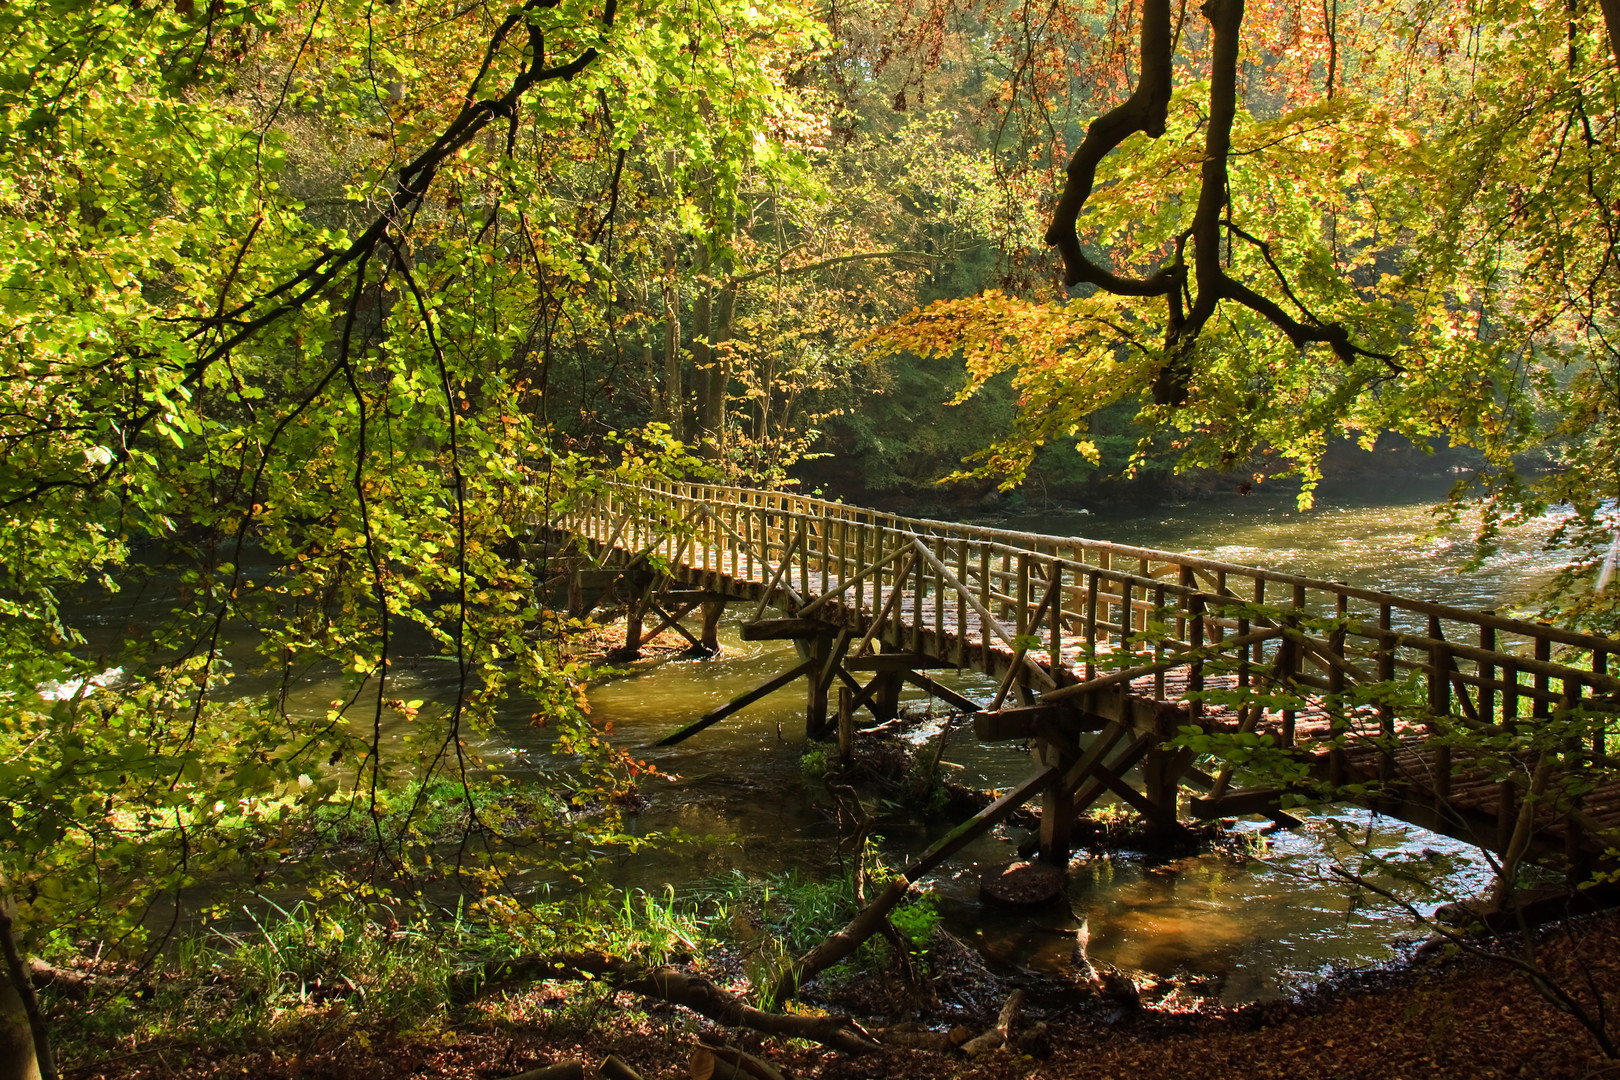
(1067,614)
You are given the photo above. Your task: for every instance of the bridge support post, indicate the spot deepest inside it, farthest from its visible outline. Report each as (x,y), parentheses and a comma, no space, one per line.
(1057,806)
(633,620)
(714,606)
(1162,769)
(825,652)
(885,703)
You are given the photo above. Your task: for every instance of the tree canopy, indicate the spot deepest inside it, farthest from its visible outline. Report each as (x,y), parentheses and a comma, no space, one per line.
(306,305)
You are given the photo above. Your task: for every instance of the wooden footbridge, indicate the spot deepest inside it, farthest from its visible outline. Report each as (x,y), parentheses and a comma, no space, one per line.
(1498,731)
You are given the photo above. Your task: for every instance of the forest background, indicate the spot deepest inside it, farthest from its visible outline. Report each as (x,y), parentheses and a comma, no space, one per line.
(306,306)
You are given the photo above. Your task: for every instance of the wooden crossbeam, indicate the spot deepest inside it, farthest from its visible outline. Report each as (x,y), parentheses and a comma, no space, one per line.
(741,701)
(789,629)
(674,622)
(1095,787)
(888,604)
(782,572)
(1023,649)
(852,582)
(742,542)
(895,662)
(944,693)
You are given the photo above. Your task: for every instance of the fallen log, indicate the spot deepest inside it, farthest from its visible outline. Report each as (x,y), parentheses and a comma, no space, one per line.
(875,915)
(667,984)
(563,1070)
(740,1062)
(614,1068)
(1001,1034)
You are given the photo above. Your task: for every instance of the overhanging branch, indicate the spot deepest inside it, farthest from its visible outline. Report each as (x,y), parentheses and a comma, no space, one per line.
(1145,111)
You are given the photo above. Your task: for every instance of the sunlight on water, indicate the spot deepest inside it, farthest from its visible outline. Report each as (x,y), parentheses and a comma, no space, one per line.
(1250,928)
(1253,928)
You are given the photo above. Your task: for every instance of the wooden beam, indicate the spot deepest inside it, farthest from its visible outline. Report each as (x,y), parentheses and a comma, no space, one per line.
(871,918)
(888,603)
(986,619)
(944,693)
(742,701)
(1239,803)
(672,621)
(958,838)
(1101,744)
(998,725)
(786,629)
(894,662)
(1133,798)
(1096,786)
(856,580)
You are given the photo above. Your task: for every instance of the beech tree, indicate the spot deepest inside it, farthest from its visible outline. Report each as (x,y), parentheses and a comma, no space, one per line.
(1289,225)
(281,289)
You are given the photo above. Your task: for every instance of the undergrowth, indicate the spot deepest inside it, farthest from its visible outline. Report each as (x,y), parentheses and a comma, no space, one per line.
(261,973)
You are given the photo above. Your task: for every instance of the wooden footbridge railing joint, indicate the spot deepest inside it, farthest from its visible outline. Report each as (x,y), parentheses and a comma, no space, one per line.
(1102,653)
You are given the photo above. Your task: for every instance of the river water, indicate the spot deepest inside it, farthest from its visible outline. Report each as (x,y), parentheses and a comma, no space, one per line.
(1234,926)
(1238,928)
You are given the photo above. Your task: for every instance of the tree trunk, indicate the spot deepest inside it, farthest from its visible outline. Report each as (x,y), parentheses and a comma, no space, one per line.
(20,1054)
(715,381)
(17,1059)
(1611,20)
(702,352)
(674,399)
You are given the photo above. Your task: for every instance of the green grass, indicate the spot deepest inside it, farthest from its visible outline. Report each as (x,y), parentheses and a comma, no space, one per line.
(263,973)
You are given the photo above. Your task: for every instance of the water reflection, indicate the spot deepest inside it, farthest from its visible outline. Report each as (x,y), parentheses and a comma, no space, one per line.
(1253,928)
(1257,927)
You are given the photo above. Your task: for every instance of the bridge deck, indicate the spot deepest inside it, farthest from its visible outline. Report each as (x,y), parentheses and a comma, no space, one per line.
(1447,717)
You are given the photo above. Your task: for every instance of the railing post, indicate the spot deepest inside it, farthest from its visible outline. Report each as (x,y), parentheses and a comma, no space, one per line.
(984,588)
(1092,574)
(961,601)
(1126,621)
(1600,740)
(1021,621)
(1195,672)
(1158,645)
(1439,669)
(1057,590)
(1386,710)
(1507,811)
(1292,666)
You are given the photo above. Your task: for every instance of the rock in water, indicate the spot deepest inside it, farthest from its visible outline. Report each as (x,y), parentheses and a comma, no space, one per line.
(1023,885)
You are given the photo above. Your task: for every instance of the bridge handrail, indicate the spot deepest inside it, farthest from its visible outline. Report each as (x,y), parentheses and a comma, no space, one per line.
(1056,609)
(1010,541)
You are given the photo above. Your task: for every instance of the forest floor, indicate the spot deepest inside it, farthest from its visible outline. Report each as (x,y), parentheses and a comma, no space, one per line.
(1440,1017)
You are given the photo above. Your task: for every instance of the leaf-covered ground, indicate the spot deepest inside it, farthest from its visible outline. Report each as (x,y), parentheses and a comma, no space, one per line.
(1457,1017)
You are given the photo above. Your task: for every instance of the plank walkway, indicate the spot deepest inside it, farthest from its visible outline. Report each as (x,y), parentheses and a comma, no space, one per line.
(1495,730)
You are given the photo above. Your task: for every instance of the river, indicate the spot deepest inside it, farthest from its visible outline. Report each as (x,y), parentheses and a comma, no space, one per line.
(1237,928)
(1233,927)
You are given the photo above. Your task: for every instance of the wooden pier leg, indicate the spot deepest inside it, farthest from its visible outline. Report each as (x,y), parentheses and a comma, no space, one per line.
(815,708)
(713,608)
(634,619)
(636,615)
(1161,771)
(1158,781)
(576,595)
(1057,807)
(885,704)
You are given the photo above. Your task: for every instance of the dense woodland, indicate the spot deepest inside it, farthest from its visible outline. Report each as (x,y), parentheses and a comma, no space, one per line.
(306,305)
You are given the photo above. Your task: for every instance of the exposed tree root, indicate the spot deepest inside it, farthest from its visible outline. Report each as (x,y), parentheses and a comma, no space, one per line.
(678,988)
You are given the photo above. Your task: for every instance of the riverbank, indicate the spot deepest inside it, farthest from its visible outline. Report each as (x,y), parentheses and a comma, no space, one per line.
(1437,1017)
